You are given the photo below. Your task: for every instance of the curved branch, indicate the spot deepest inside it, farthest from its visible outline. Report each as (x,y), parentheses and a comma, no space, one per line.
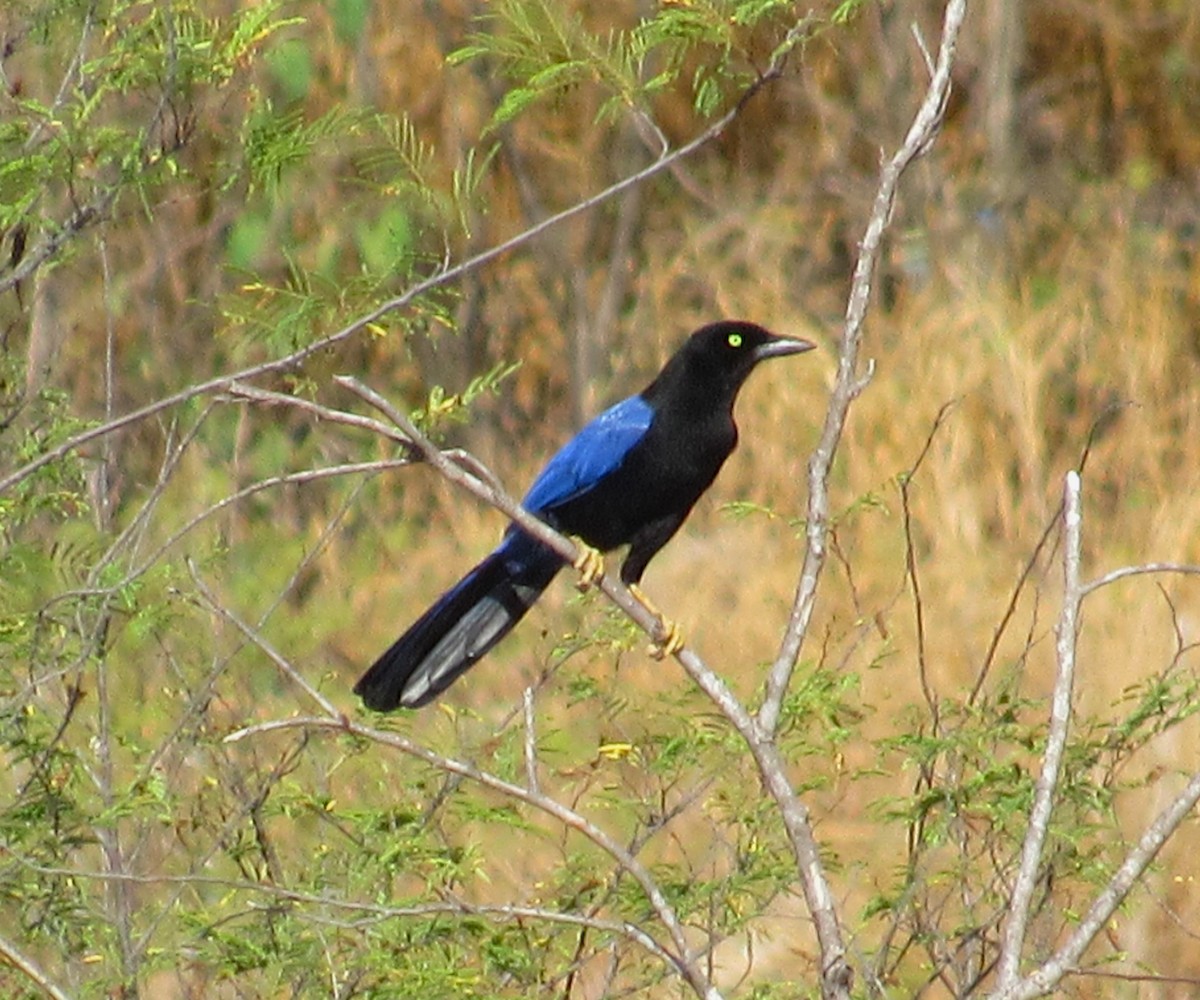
(1184,569)
(31,970)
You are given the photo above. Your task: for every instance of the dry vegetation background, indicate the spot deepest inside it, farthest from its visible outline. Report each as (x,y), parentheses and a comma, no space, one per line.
(1041,280)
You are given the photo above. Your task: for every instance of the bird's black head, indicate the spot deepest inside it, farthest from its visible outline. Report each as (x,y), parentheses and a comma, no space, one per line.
(738,345)
(718,357)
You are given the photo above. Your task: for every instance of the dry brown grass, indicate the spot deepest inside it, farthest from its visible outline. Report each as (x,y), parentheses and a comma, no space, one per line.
(1028,378)
(1096,311)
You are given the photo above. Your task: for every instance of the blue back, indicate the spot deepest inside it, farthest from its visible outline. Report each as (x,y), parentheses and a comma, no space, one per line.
(595,452)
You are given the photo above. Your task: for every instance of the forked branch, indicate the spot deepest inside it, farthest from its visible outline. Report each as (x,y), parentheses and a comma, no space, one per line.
(1047,976)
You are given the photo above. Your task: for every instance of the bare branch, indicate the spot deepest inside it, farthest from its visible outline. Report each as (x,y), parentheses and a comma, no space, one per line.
(919,38)
(31,970)
(242,391)
(531,775)
(920,135)
(910,563)
(1048,534)
(1013,936)
(1044,979)
(1187,569)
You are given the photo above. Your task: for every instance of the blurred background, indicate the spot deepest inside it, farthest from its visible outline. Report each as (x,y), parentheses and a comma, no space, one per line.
(1040,289)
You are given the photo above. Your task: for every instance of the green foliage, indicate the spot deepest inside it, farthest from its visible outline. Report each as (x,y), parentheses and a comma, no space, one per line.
(546,50)
(972,776)
(248,239)
(143,613)
(411,216)
(291,66)
(350,19)
(129,112)
(385,243)
(275,141)
(455,407)
(846,11)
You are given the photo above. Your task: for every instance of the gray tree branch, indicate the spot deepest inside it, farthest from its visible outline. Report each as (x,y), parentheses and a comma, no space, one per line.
(849,383)
(1011,985)
(1013,935)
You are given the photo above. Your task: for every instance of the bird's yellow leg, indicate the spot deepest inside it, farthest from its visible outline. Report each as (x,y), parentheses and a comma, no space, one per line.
(670,638)
(589,562)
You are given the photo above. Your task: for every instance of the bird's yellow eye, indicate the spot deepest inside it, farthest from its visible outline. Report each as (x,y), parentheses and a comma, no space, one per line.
(735,340)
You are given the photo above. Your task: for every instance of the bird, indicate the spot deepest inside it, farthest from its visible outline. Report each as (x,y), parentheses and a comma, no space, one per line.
(629,477)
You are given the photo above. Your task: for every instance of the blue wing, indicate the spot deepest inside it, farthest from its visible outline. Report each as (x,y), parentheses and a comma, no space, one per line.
(597,450)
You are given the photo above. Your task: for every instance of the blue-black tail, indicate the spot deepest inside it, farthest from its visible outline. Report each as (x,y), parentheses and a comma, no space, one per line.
(461,626)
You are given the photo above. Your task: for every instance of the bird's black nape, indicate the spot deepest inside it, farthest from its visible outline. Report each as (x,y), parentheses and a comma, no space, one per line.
(630,477)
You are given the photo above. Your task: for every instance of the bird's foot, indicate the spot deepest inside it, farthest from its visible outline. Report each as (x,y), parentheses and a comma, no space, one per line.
(669,639)
(590,563)
(669,643)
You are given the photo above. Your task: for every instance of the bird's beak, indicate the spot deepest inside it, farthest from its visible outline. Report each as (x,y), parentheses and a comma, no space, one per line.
(777,347)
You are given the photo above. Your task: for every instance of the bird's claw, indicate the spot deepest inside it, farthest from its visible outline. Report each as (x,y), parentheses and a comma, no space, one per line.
(671,641)
(590,563)
(669,638)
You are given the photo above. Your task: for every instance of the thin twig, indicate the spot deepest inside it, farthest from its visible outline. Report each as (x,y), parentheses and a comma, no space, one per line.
(531,775)
(104,500)
(257,639)
(919,38)
(1010,611)
(242,391)
(1187,569)
(910,565)
(1048,534)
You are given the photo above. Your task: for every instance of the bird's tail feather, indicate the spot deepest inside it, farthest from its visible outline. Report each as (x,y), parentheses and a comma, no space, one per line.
(460,627)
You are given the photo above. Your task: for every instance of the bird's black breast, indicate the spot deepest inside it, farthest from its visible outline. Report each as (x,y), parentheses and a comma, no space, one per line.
(663,475)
